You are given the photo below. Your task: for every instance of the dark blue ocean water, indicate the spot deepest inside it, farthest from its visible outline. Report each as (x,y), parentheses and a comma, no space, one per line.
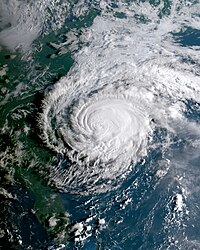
(141,214)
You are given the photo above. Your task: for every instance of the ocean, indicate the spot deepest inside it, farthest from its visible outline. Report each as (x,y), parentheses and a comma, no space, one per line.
(100,132)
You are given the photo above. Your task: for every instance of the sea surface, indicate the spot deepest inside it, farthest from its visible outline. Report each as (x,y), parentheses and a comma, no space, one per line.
(100,124)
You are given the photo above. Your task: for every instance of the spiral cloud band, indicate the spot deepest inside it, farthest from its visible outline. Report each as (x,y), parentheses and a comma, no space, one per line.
(108,128)
(128,80)
(102,135)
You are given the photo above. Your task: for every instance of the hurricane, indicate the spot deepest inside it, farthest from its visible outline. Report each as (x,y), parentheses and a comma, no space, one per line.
(100,132)
(101,116)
